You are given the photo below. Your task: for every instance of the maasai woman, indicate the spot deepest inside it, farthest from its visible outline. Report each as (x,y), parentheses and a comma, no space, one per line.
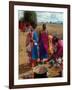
(34,51)
(43,44)
(29,41)
(50,45)
(58,44)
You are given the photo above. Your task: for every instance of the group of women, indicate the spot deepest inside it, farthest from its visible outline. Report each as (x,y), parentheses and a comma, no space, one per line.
(42,47)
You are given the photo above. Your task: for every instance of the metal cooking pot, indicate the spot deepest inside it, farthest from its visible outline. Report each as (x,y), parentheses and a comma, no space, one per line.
(40,72)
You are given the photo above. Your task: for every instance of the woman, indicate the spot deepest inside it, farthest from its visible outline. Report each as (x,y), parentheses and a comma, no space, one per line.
(29,41)
(50,45)
(34,51)
(43,44)
(58,44)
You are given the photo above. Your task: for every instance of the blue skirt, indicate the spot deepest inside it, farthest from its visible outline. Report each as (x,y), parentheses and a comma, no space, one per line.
(35,52)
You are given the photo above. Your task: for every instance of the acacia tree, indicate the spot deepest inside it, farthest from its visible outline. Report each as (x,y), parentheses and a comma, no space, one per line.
(30,17)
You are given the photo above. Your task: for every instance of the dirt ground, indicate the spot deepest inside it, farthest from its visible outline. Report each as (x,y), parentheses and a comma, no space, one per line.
(54,29)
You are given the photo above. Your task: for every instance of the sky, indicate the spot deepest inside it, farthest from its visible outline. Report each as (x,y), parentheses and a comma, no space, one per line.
(44,16)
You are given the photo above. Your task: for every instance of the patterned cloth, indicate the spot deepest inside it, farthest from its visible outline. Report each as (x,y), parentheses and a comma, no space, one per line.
(35,46)
(50,44)
(43,45)
(59,52)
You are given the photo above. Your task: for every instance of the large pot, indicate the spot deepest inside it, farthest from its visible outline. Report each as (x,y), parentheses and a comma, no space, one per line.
(40,72)
(44,75)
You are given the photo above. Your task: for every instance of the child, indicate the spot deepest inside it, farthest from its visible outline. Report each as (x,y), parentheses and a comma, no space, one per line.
(43,44)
